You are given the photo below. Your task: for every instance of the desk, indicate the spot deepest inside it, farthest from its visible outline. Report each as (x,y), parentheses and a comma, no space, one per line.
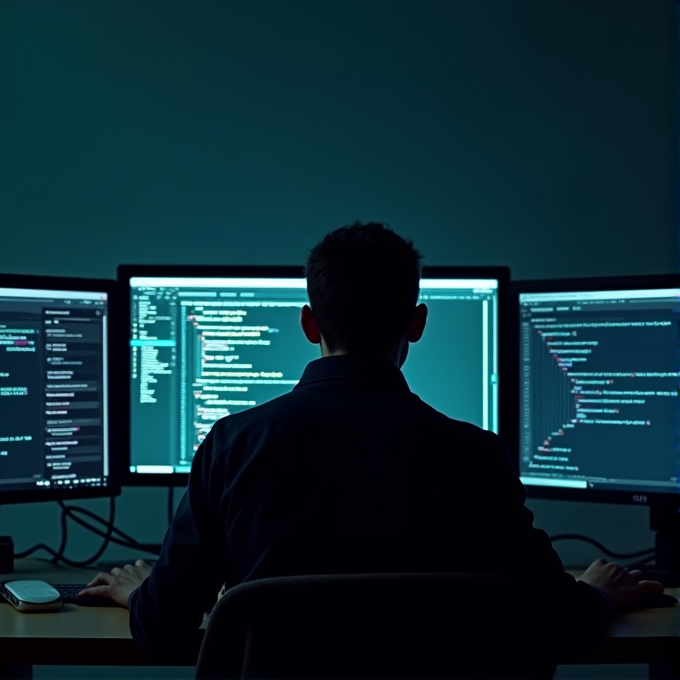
(73,636)
(101,636)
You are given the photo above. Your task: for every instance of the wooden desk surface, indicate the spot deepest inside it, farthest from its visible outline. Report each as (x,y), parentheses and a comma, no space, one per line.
(74,635)
(101,635)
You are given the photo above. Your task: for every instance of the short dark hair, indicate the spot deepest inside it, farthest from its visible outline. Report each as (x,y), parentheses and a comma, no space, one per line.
(363,282)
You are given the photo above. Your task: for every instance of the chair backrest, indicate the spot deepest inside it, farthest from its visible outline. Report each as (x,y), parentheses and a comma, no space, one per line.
(380,626)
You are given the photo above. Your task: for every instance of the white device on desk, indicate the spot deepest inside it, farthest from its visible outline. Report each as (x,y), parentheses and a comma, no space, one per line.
(32,596)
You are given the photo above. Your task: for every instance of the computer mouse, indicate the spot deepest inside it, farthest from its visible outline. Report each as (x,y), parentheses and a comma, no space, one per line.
(654,600)
(32,596)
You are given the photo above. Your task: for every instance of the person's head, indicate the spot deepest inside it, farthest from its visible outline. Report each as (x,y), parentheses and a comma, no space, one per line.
(363,284)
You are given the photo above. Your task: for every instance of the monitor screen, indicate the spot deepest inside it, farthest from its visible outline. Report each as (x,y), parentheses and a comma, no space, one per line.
(54,393)
(202,348)
(599,379)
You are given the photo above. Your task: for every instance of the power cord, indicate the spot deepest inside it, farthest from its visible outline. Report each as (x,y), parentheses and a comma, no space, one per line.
(642,562)
(70,511)
(606,551)
(58,555)
(127,540)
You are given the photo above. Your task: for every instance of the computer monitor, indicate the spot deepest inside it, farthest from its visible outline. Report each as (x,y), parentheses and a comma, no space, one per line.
(599,369)
(599,407)
(57,393)
(205,342)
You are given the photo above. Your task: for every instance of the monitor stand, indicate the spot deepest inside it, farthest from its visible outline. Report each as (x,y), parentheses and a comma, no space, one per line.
(666,523)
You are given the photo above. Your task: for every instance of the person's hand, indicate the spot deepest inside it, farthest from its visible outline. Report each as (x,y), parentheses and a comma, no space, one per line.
(622,586)
(119,583)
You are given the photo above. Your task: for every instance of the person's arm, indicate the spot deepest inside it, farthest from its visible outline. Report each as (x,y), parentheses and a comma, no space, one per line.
(167,609)
(527,552)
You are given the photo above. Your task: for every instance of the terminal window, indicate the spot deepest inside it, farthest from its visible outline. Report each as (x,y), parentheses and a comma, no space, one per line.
(202,349)
(599,389)
(53,389)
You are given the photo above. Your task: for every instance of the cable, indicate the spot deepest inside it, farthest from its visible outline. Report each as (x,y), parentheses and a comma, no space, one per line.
(642,562)
(58,556)
(62,546)
(128,541)
(171,503)
(64,536)
(597,544)
(70,511)
(35,548)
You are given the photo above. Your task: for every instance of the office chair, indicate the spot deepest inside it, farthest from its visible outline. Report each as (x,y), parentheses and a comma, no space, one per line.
(380,626)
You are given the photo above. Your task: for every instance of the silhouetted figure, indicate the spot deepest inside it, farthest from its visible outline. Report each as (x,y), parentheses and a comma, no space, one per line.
(350,472)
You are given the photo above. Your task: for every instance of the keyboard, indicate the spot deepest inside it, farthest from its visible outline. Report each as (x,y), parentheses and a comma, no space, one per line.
(69,593)
(653,600)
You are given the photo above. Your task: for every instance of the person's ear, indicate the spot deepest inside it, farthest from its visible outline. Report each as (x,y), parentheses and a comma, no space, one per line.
(417,326)
(309,325)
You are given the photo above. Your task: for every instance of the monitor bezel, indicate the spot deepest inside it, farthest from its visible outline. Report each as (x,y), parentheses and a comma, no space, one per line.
(108,286)
(633,282)
(126,272)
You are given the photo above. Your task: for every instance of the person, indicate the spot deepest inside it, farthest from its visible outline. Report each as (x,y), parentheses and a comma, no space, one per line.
(350,472)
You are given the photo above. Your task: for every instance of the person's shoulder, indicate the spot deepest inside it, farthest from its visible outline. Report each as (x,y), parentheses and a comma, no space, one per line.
(444,427)
(461,447)
(255,416)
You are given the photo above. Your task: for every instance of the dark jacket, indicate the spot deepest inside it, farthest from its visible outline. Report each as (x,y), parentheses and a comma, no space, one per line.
(350,472)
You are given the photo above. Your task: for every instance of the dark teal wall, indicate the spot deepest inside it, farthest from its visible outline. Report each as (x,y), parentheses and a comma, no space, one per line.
(535,133)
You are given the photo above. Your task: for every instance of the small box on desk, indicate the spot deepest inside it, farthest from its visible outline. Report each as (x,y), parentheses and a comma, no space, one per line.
(6,554)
